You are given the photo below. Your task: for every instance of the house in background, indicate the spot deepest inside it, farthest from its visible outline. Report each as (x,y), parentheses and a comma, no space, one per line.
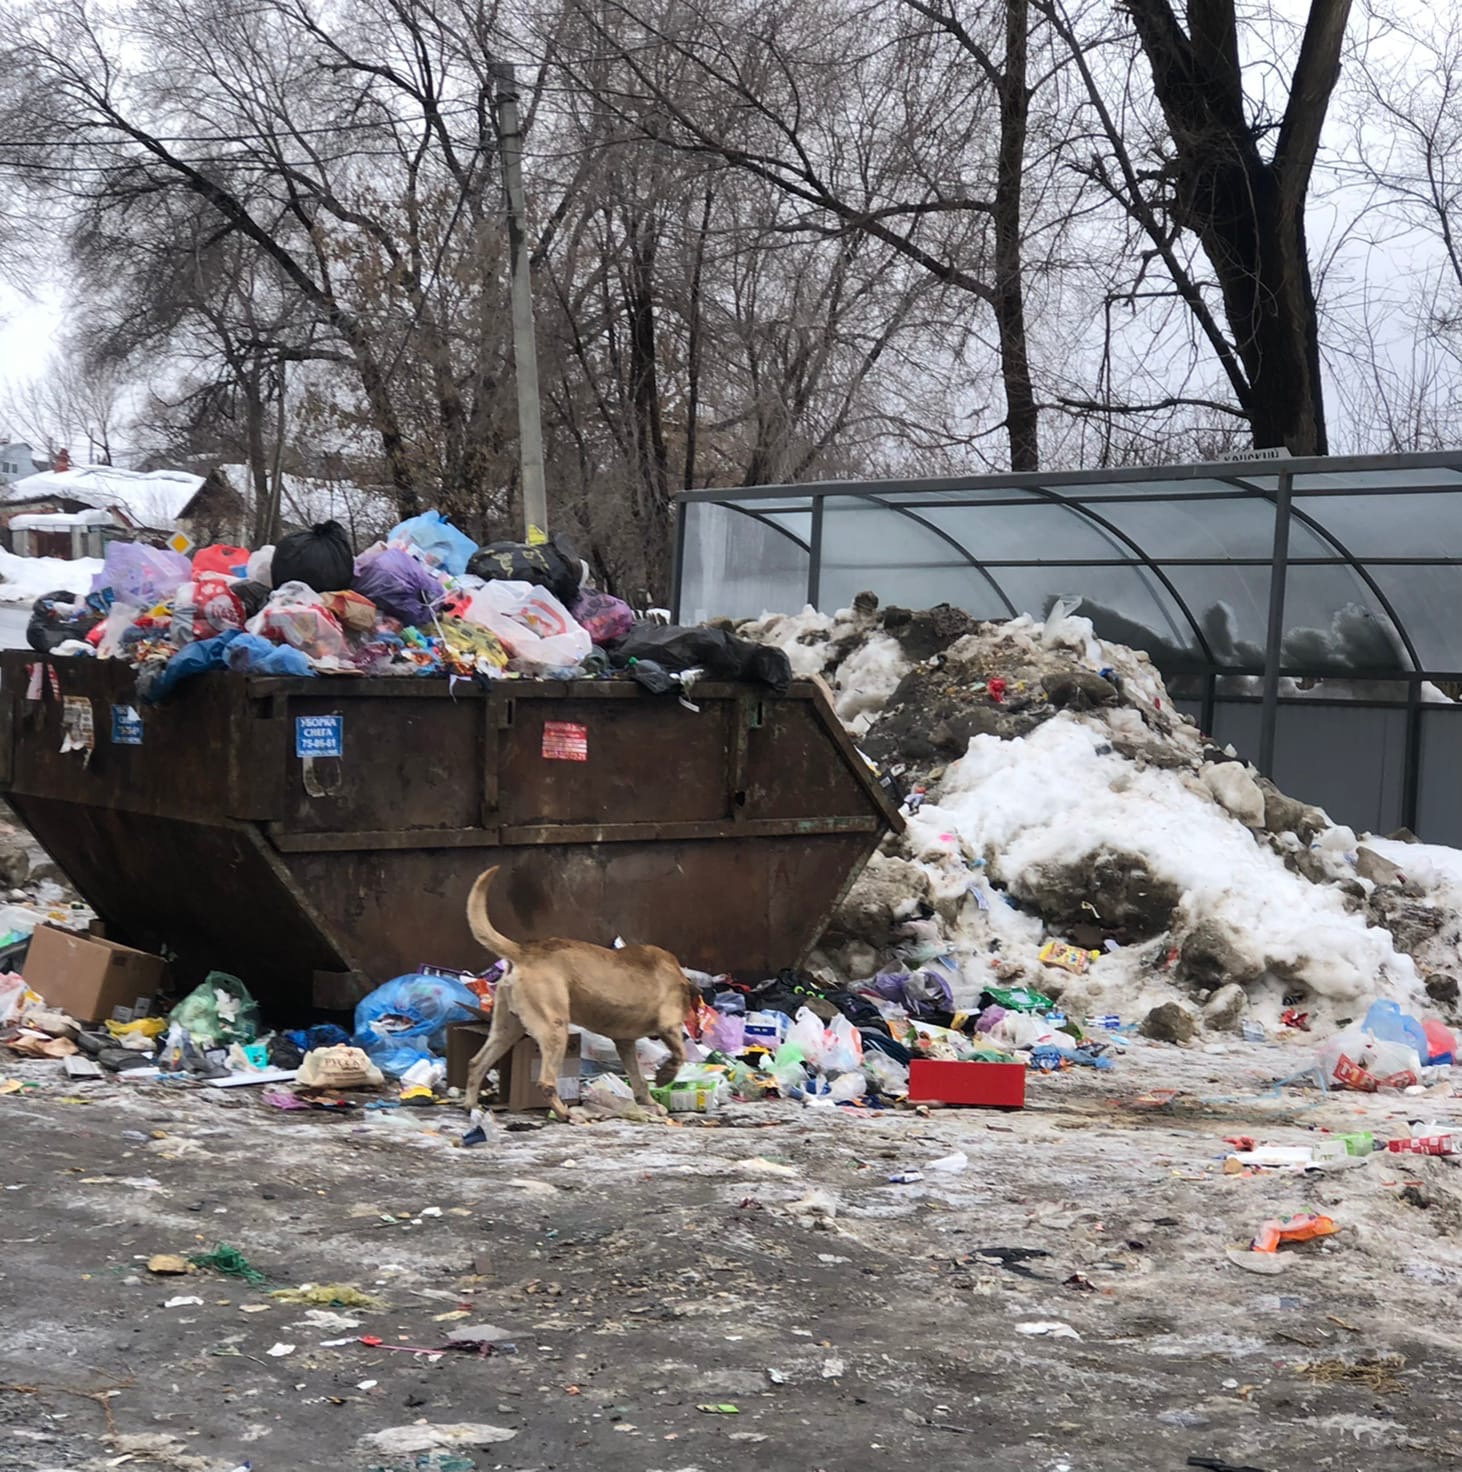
(64,534)
(134,505)
(222,509)
(18,459)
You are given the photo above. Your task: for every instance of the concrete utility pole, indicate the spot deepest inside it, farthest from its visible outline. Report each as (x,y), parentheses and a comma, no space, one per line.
(525,348)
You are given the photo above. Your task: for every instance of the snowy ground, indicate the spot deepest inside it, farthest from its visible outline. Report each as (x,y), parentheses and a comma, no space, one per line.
(765,1263)
(24,579)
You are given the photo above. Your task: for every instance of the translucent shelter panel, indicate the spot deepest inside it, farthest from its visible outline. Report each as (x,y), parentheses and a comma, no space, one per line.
(1040,532)
(737,565)
(1396,524)
(901,558)
(1221,529)
(1125,604)
(1231,606)
(1428,602)
(1332,621)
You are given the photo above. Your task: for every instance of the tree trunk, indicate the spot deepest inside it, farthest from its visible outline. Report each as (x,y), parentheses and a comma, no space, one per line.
(1021,416)
(1247,211)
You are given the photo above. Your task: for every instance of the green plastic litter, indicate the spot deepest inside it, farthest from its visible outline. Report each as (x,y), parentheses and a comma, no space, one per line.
(1019,998)
(230,1262)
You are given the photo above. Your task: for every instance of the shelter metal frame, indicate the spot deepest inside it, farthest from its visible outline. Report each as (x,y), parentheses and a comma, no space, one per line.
(1274,481)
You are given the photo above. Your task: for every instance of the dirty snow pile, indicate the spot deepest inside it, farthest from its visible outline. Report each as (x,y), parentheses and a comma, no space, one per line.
(24,579)
(1058,795)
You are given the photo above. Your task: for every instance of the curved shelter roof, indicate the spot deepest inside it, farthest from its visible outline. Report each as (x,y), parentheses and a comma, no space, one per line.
(1182,561)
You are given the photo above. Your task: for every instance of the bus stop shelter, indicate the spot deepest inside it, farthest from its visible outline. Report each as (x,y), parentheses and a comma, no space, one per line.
(1305,610)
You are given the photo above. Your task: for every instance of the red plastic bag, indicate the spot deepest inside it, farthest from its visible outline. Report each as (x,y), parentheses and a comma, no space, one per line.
(231,562)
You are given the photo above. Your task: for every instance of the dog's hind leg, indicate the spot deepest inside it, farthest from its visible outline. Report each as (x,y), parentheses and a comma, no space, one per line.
(631,1060)
(507,1032)
(553,1043)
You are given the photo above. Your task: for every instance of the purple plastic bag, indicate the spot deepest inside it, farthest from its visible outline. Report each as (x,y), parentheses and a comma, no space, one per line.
(921,992)
(142,575)
(606,617)
(398,585)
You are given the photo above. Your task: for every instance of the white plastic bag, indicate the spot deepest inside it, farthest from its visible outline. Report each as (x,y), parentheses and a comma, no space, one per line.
(808,1033)
(537,630)
(842,1046)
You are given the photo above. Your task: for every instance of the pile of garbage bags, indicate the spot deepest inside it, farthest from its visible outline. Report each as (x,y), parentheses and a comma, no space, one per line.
(1388,1049)
(426,600)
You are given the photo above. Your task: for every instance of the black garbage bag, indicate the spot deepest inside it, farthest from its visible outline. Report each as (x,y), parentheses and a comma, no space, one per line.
(57,617)
(320,558)
(721,655)
(545,566)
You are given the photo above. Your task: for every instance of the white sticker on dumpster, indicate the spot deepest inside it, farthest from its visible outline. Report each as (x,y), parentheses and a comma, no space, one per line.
(319,736)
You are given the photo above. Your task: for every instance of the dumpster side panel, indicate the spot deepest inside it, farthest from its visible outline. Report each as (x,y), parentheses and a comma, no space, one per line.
(405,764)
(213,893)
(179,765)
(748,907)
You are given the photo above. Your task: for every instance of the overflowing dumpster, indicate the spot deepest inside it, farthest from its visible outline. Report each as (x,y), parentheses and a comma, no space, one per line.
(319,836)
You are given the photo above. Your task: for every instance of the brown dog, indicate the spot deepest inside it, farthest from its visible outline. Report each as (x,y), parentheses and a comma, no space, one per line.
(628,994)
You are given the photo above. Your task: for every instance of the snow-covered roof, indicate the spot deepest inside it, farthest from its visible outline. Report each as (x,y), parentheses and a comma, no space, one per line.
(146,498)
(305,500)
(35,521)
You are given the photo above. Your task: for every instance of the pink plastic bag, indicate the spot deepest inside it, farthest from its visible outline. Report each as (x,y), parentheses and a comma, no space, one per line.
(605,617)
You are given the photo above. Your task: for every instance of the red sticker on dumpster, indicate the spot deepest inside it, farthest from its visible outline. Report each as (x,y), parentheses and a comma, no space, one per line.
(564,741)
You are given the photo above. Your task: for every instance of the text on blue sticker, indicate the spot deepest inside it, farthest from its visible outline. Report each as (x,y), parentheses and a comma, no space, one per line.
(126,726)
(319,736)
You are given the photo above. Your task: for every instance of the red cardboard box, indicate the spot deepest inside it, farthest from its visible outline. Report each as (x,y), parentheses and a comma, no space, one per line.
(995,1085)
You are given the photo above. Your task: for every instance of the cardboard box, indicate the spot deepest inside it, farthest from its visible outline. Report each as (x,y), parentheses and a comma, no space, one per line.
(517,1074)
(87,977)
(994,1085)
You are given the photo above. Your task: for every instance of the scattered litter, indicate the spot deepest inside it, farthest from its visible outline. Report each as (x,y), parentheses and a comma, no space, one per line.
(166,1264)
(230,1262)
(184,1301)
(723,1409)
(1052,1327)
(834,1368)
(328,1295)
(403,1440)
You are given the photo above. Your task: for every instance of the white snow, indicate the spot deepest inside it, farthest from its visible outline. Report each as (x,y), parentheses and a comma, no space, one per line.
(1009,816)
(29,578)
(1054,799)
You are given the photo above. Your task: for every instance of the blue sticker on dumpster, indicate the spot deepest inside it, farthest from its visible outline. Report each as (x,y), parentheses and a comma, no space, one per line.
(126,726)
(319,736)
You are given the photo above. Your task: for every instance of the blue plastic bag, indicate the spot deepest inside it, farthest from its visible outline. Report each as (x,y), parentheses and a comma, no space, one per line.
(406,1020)
(435,541)
(1387,1022)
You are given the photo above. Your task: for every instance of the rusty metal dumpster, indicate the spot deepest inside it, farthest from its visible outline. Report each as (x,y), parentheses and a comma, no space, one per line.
(317,837)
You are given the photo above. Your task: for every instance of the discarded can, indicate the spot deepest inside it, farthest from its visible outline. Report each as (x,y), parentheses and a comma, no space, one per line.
(1108,1021)
(905,1177)
(1253,1032)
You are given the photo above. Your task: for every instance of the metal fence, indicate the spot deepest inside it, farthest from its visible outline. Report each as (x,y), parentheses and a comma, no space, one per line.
(1305,610)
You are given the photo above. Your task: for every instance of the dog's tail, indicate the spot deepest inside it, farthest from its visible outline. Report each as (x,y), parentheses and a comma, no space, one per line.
(482,927)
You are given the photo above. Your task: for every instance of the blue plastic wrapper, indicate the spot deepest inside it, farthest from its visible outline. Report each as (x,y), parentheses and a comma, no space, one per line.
(406,1020)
